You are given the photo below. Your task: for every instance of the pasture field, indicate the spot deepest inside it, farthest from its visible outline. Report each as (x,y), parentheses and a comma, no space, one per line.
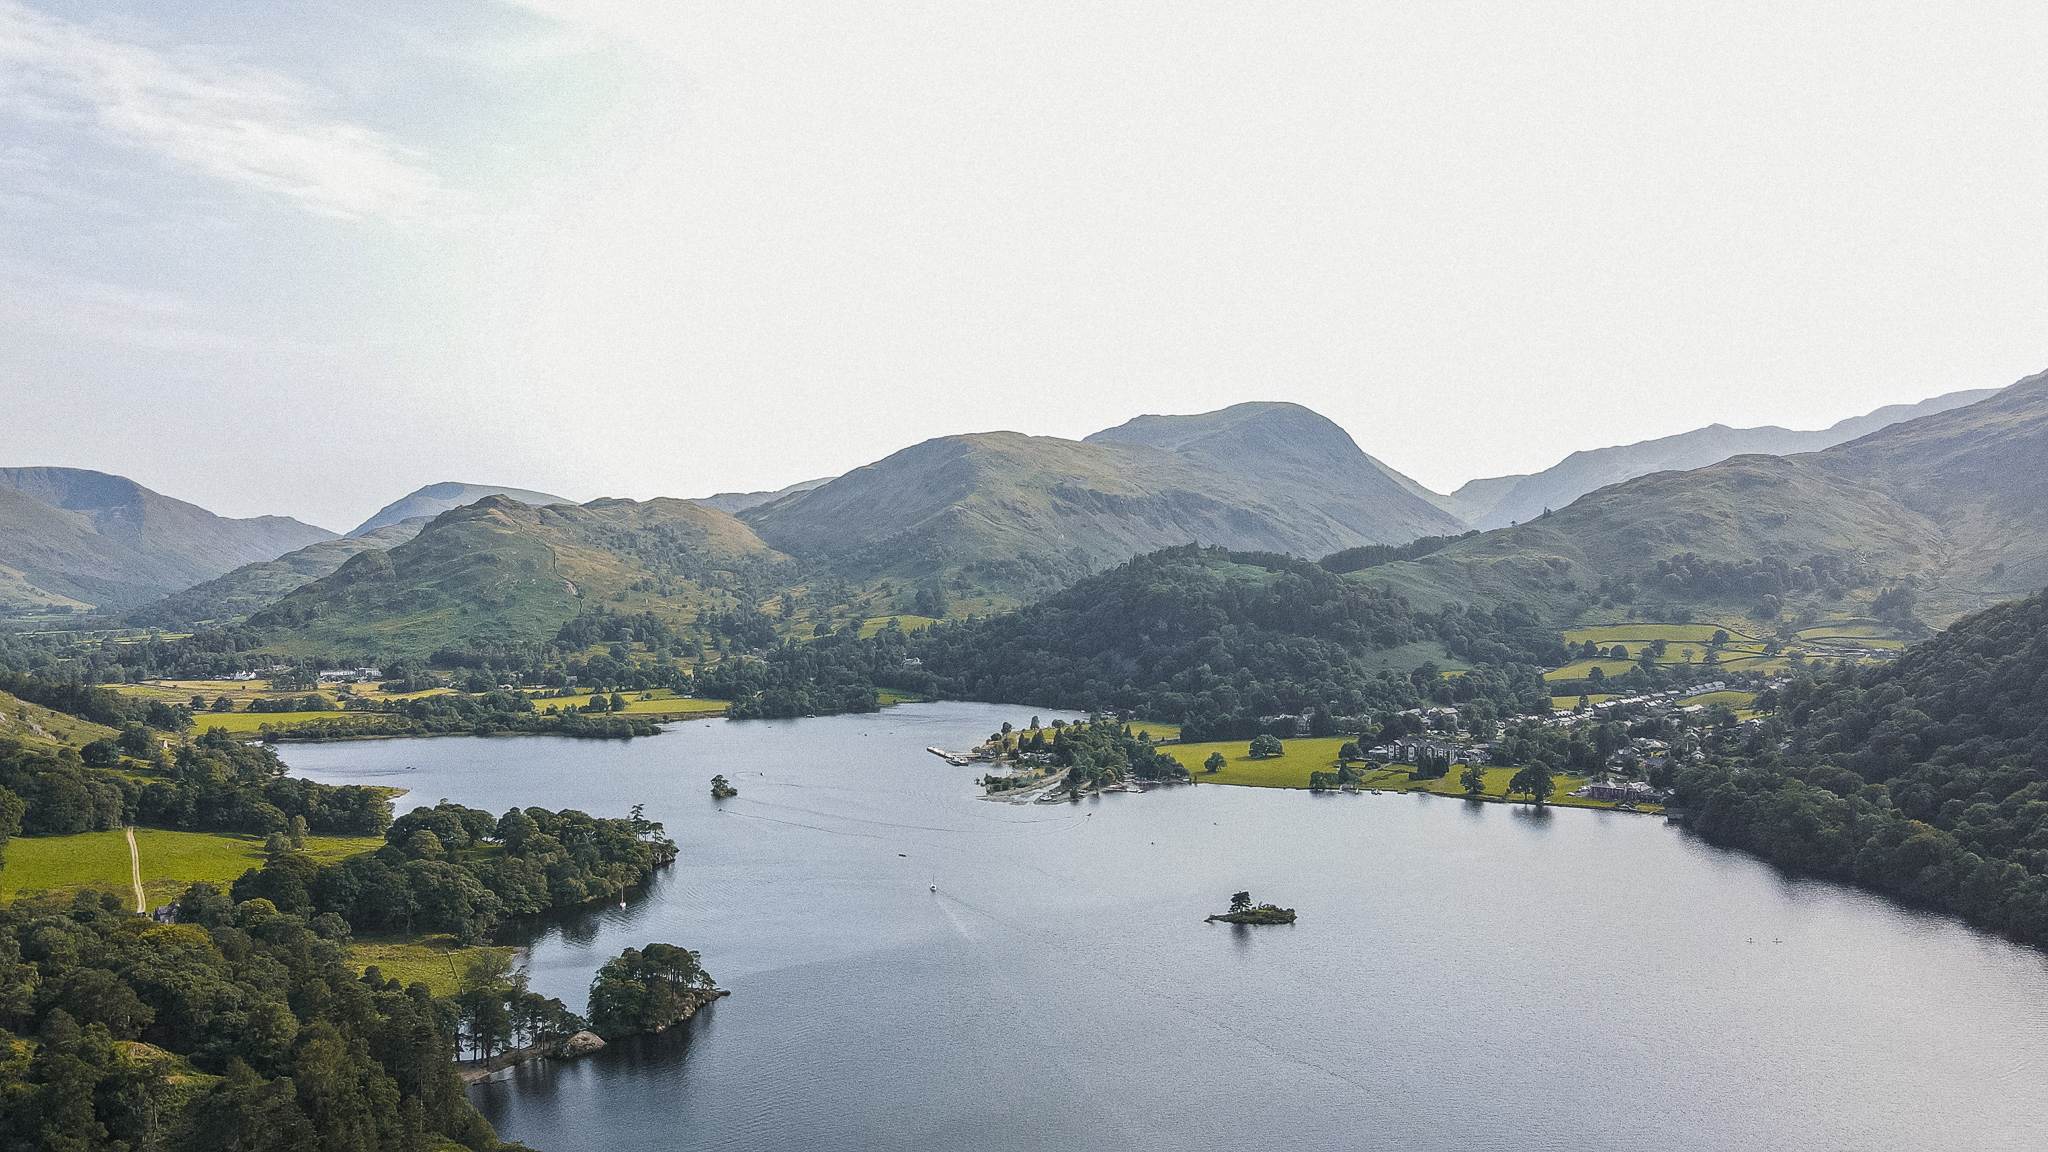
(436,961)
(1580,669)
(1608,635)
(1159,732)
(1730,697)
(1567,703)
(171,860)
(664,700)
(64,863)
(907,622)
(1302,756)
(250,722)
(1848,629)
(243,691)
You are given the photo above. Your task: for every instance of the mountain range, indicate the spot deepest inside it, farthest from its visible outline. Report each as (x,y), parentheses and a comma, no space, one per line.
(1009,518)
(73,538)
(1024,515)
(1953,506)
(1497,501)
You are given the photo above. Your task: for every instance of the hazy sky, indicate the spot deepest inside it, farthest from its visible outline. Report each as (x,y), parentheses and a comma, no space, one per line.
(303,258)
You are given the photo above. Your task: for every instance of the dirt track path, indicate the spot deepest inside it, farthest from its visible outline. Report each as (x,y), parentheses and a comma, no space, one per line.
(135,867)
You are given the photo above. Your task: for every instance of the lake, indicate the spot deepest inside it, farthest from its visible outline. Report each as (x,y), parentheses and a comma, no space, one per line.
(1463,975)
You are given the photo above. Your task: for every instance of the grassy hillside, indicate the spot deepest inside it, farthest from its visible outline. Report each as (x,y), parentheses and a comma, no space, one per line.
(1026,515)
(1952,506)
(250,588)
(499,571)
(35,724)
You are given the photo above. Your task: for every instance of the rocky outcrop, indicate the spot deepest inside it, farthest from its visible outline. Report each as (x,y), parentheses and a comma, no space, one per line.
(581,1044)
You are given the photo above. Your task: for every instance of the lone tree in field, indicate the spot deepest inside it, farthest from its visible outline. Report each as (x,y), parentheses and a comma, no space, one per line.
(1533,782)
(1214,763)
(1473,778)
(1348,753)
(1266,745)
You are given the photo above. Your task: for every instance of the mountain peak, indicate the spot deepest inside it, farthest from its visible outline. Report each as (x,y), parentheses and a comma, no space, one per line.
(76,536)
(438,498)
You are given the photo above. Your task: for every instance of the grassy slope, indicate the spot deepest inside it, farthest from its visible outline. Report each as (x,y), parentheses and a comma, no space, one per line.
(171,860)
(436,961)
(247,589)
(1747,508)
(20,720)
(498,570)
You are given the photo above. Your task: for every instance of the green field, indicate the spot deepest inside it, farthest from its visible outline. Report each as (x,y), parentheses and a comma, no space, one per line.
(1158,731)
(171,861)
(665,700)
(1580,669)
(436,961)
(908,623)
(1567,703)
(63,863)
(1608,635)
(251,721)
(1302,756)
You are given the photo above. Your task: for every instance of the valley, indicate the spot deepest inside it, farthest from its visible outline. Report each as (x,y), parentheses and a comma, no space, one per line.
(1243,598)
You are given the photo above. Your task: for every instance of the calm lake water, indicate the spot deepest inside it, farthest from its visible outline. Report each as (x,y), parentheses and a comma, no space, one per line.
(1463,976)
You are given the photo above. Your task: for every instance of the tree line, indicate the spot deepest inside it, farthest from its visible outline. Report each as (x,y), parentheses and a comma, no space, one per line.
(1925,778)
(463,871)
(214,783)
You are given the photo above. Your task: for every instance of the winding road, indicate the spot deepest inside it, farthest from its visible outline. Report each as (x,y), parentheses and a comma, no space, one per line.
(135,867)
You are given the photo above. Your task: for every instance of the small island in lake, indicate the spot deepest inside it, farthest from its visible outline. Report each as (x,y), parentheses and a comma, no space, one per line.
(1242,911)
(720,789)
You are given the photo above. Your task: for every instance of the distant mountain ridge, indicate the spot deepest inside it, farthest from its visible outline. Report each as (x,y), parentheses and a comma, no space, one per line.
(74,537)
(738,502)
(1953,505)
(1497,501)
(247,589)
(1030,514)
(435,499)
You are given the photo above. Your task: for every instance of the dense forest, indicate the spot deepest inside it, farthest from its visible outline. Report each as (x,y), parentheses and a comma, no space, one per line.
(464,871)
(214,783)
(1926,778)
(241,1031)
(835,673)
(1214,640)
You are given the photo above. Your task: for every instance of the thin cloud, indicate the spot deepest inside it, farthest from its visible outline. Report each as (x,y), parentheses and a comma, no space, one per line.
(248,127)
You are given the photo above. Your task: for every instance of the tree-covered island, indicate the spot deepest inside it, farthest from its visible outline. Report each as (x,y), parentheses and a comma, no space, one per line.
(1243,911)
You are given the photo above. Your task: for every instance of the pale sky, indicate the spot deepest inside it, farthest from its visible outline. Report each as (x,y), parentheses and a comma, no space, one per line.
(304,258)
